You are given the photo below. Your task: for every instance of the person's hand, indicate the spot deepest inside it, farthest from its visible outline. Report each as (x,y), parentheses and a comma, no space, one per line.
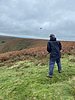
(61,51)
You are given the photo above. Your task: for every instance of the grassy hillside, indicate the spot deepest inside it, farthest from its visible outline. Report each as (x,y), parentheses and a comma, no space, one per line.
(23,73)
(27,80)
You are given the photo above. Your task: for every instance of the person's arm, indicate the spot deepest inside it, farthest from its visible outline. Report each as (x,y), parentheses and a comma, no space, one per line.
(48,47)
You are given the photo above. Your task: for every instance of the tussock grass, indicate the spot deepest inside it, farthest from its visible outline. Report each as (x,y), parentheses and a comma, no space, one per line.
(27,80)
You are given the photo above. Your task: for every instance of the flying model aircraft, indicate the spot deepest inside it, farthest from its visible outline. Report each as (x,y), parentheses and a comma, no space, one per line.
(40,27)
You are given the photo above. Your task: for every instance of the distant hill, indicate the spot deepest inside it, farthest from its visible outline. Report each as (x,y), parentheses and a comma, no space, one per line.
(8,43)
(12,44)
(19,49)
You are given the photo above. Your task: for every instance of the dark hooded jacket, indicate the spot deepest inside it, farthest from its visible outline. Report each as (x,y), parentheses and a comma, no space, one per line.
(54,47)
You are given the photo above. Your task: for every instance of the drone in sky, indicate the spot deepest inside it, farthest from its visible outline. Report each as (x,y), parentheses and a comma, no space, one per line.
(40,28)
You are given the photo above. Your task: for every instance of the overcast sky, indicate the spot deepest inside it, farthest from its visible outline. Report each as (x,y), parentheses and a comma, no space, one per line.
(25,18)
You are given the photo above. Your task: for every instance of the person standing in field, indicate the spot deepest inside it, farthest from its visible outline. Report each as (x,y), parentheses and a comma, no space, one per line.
(54,48)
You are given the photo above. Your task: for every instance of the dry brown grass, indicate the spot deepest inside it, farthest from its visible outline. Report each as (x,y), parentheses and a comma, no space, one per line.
(36,50)
(31,52)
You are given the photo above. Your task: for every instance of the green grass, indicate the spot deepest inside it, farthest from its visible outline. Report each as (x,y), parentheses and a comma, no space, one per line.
(27,80)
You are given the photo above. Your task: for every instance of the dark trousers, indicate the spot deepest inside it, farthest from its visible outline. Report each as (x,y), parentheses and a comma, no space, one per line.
(52,63)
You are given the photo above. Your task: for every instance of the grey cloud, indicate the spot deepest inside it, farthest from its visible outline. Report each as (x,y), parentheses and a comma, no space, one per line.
(25,17)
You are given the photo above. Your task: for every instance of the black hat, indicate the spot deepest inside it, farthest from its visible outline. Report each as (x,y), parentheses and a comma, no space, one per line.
(52,35)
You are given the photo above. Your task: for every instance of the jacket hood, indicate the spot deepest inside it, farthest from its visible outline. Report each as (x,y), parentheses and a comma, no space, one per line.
(52,39)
